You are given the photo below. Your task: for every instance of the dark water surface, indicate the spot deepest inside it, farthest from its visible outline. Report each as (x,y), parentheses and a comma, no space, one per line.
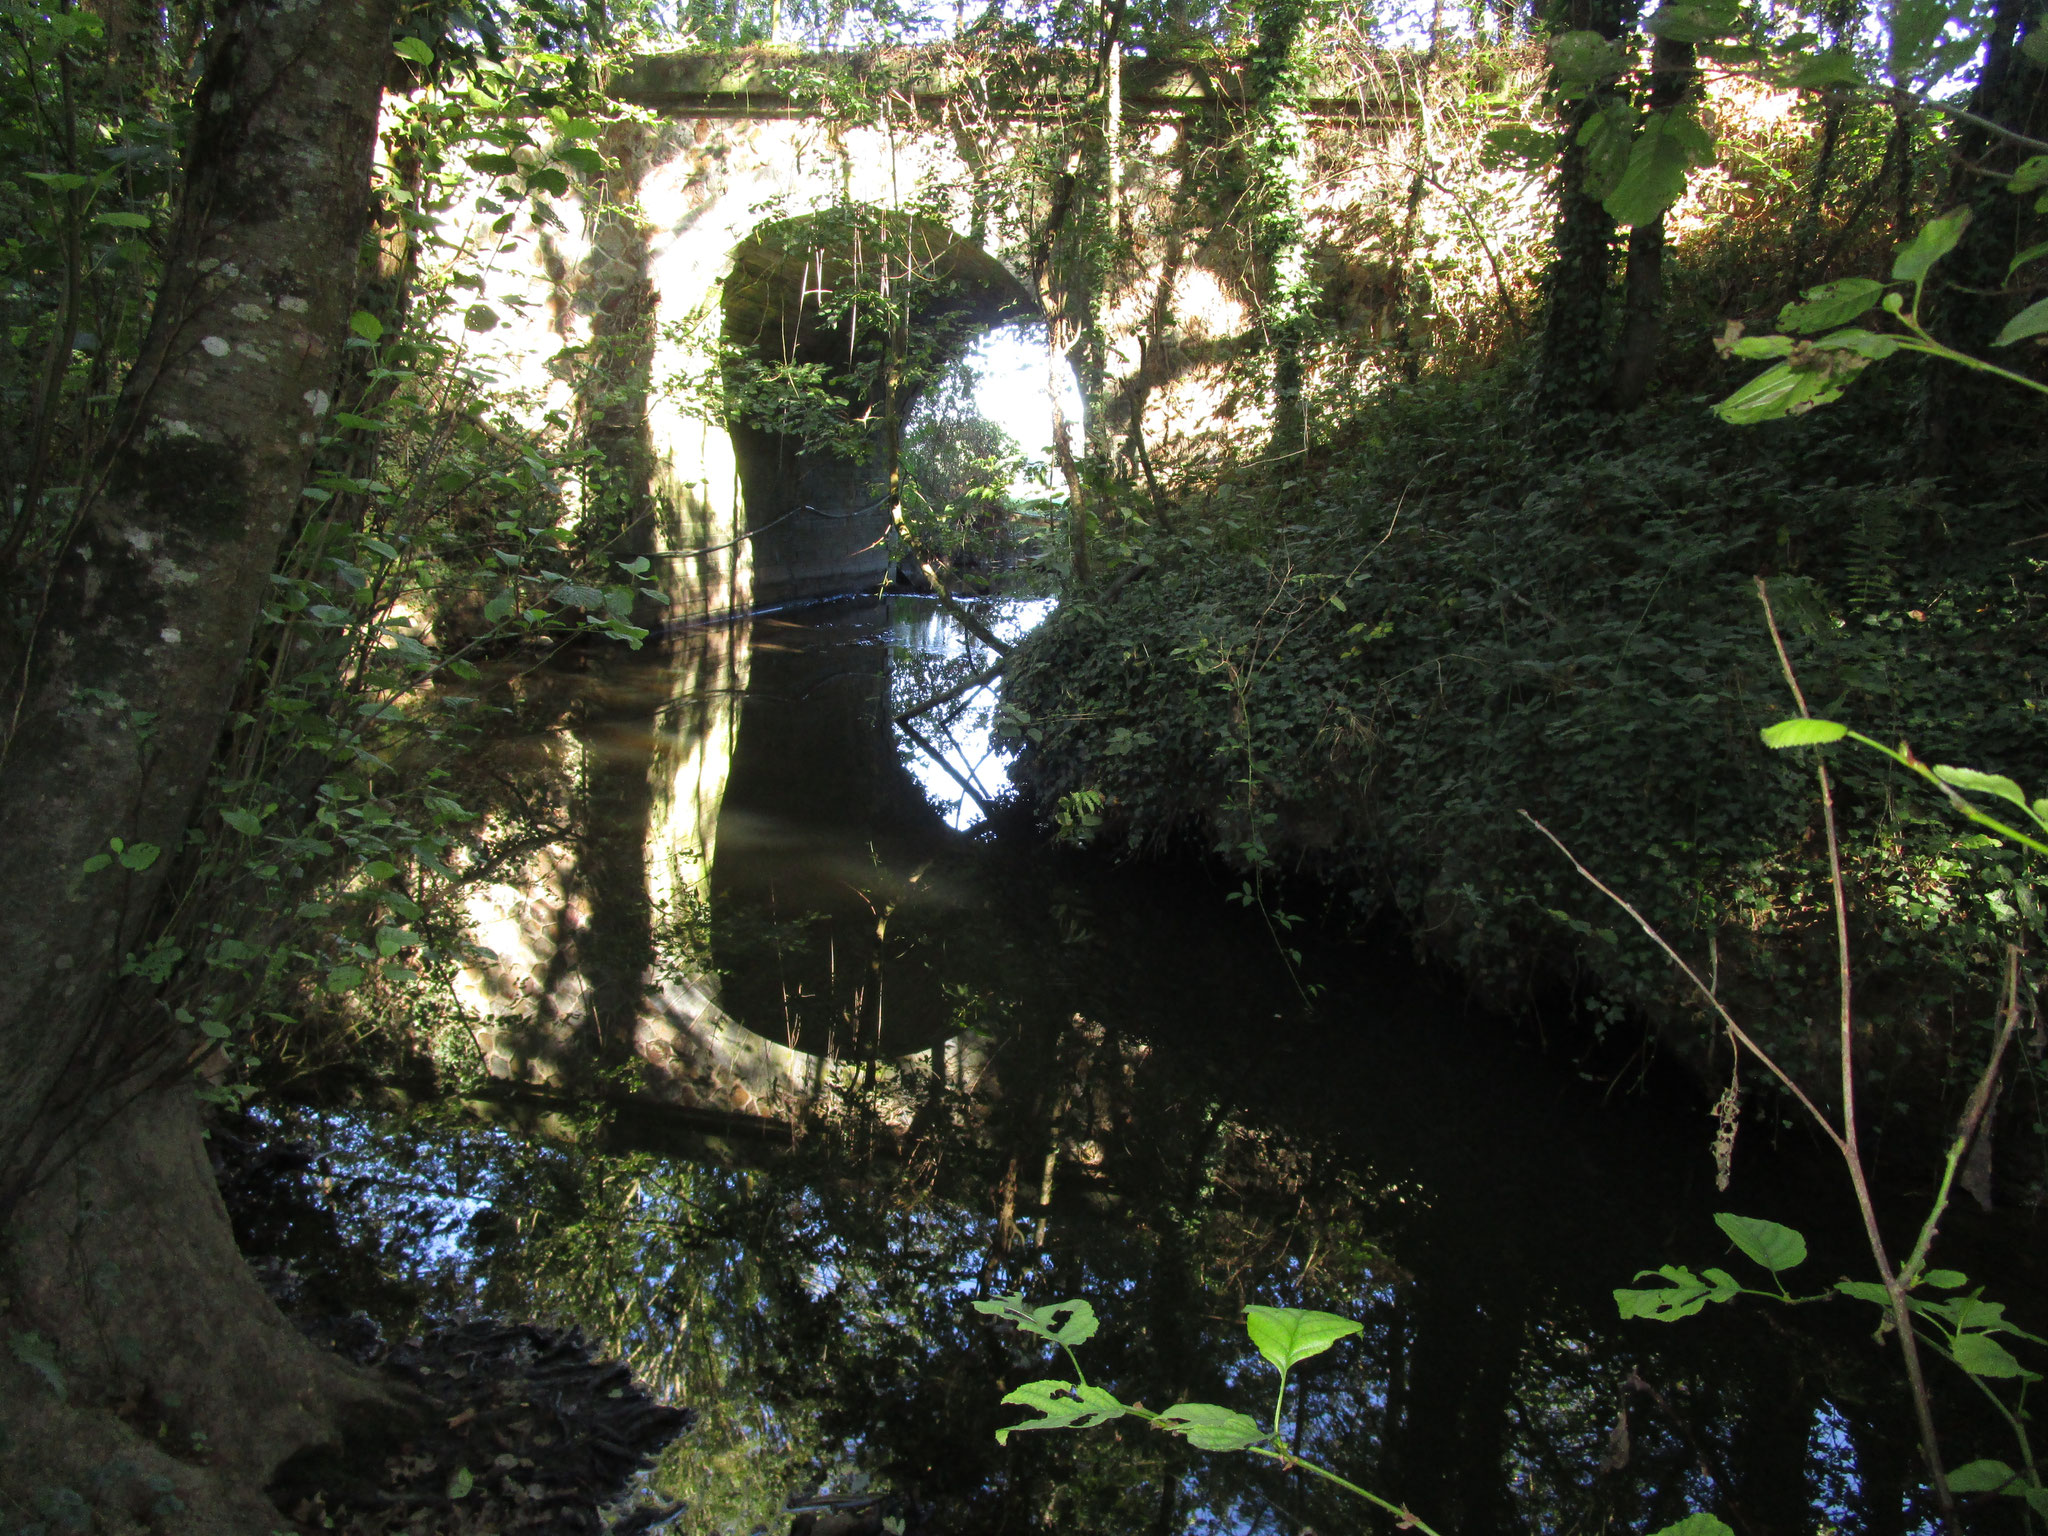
(1155,1119)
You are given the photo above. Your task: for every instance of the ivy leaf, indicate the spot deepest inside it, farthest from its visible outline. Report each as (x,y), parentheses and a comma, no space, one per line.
(1776,1248)
(2031,321)
(1286,1336)
(1211,1427)
(1830,305)
(1061,1405)
(1802,733)
(1935,240)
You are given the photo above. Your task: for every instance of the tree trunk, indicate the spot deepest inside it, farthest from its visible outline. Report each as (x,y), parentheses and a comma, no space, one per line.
(1642,304)
(118,1255)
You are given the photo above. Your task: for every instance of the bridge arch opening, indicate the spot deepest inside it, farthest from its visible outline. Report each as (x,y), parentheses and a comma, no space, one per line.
(834,324)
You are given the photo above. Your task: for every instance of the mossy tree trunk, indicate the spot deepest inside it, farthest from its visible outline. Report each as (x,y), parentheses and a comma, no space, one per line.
(118,1255)
(1673,72)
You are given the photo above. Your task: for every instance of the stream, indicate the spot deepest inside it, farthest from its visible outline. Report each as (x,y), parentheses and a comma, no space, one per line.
(1032,1068)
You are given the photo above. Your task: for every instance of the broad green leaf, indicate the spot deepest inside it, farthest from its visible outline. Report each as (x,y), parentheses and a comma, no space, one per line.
(1982,1355)
(1701,1524)
(1285,1336)
(412,48)
(138,855)
(1585,58)
(2032,253)
(366,325)
(2032,173)
(1870,344)
(1670,144)
(1776,1248)
(1780,391)
(1945,1279)
(1210,1427)
(248,823)
(342,977)
(1803,733)
(1865,1290)
(1981,1477)
(122,220)
(1061,1405)
(460,1481)
(36,1352)
(1063,1322)
(480,317)
(1832,66)
(576,596)
(547,178)
(1685,1295)
(1935,240)
(2034,47)
(1983,783)
(1760,346)
(497,610)
(1693,21)
(581,157)
(2031,321)
(1830,305)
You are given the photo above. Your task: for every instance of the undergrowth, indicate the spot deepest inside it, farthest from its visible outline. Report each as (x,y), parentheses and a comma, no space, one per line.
(1455,613)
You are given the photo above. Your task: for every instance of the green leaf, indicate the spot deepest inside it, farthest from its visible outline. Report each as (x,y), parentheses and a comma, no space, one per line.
(2032,173)
(1061,1405)
(391,940)
(1693,21)
(97,862)
(248,823)
(36,1352)
(480,317)
(2031,321)
(1870,344)
(1686,1294)
(581,157)
(1945,1279)
(574,595)
(1760,346)
(1802,733)
(366,325)
(1064,1322)
(494,165)
(138,855)
(412,48)
(1982,1355)
(460,1481)
(1701,1524)
(1865,1290)
(1935,240)
(547,178)
(1285,1336)
(122,220)
(1832,66)
(2031,254)
(1982,783)
(1780,391)
(1776,1248)
(342,977)
(1585,58)
(1830,305)
(1981,1477)
(1211,1427)
(1667,148)
(498,608)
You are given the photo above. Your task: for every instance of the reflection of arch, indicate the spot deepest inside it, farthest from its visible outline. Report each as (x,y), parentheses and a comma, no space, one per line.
(794,298)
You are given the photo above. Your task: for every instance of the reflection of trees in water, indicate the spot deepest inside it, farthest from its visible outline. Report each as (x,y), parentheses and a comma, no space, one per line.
(809,1299)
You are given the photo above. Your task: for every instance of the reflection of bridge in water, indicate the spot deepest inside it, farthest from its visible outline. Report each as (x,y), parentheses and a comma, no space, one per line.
(738,768)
